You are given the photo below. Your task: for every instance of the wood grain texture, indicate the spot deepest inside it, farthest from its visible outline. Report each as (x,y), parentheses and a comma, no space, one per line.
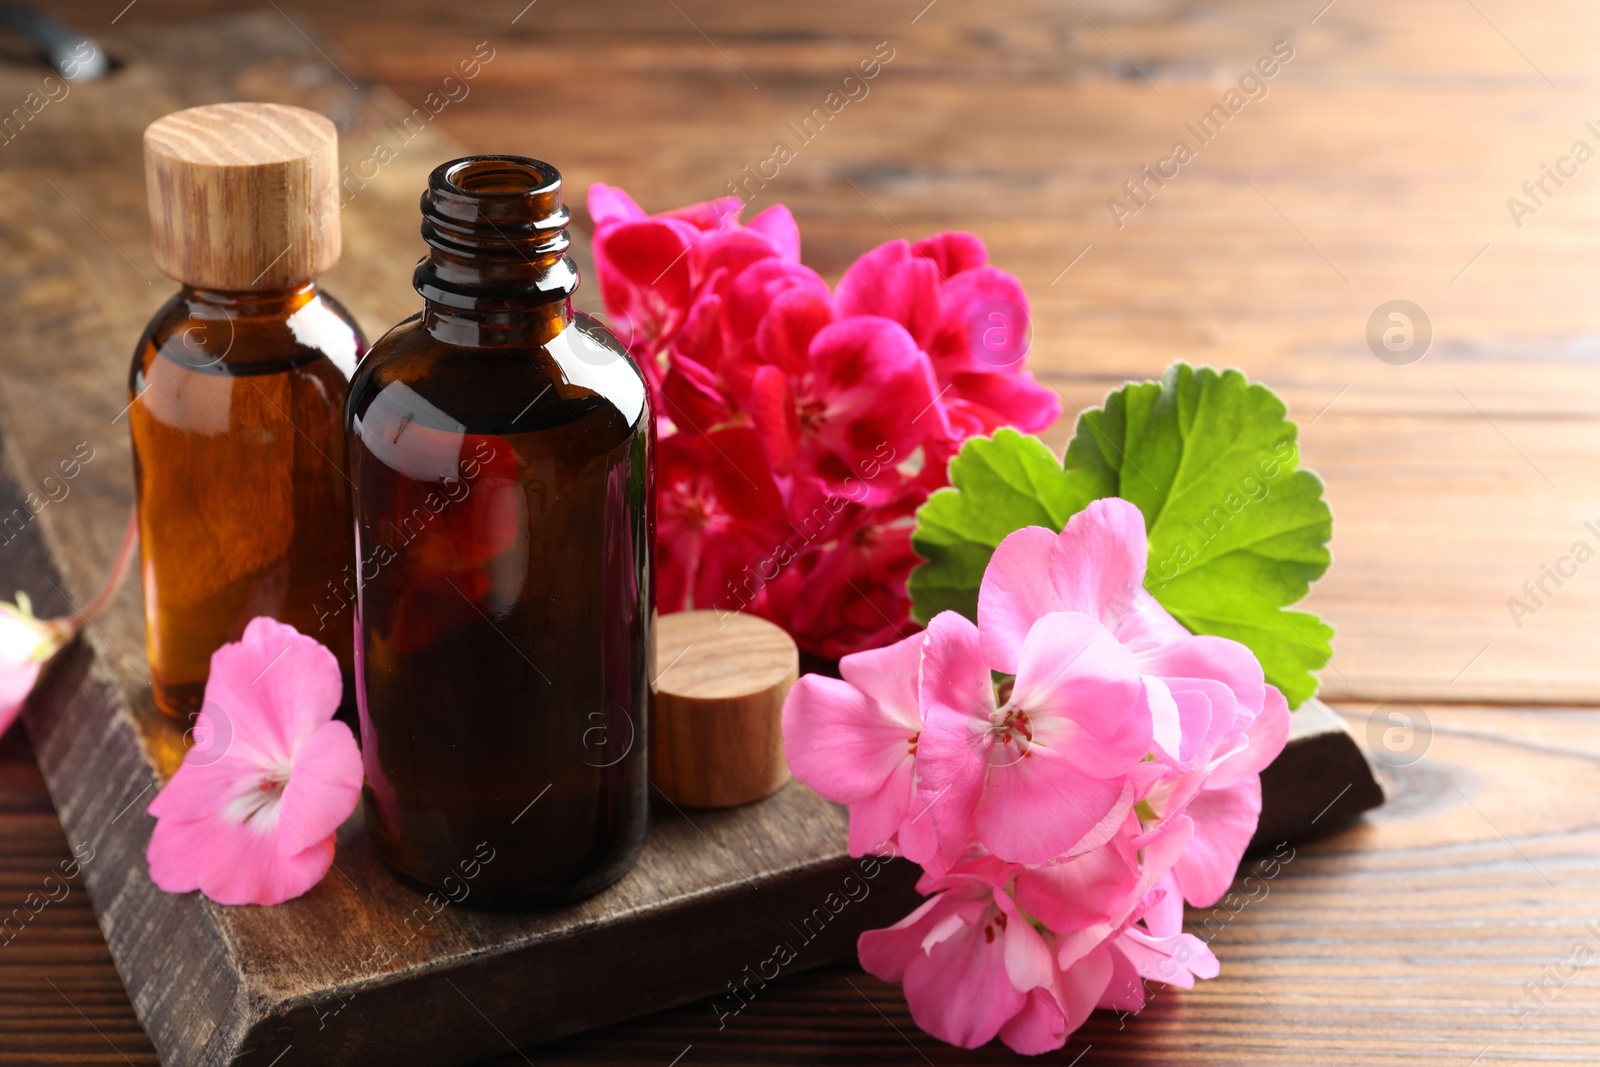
(1378,167)
(243,196)
(717,727)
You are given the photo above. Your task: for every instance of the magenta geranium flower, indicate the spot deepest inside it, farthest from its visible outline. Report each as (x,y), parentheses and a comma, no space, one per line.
(716,505)
(651,268)
(857,396)
(250,815)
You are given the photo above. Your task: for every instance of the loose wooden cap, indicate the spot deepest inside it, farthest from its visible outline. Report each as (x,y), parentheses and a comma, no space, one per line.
(717,738)
(243,196)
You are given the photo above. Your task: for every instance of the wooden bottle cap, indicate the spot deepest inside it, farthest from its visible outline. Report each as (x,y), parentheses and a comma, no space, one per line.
(721,679)
(243,196)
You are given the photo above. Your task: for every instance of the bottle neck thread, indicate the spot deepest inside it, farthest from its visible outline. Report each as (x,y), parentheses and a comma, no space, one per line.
(496,230)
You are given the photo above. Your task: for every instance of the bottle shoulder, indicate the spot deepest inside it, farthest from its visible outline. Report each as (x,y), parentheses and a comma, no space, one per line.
(580,372)
(315,335)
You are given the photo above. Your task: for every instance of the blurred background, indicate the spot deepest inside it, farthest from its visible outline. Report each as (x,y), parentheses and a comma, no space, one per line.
(1375,165)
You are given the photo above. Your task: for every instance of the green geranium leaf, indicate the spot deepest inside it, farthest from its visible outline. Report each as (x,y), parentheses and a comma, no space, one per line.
(1237,531)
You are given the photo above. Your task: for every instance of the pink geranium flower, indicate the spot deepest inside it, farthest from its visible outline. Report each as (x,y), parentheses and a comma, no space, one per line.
(854,740)
(26,645)
(718,512)
(847,595)
(863,392)
(1151,944)
(250,815)
(651,268)
(1086,764)
(968,958)
(1210,705)
(1052,768)
(971,318)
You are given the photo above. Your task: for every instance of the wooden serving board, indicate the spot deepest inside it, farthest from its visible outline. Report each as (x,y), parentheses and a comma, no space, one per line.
(361,969)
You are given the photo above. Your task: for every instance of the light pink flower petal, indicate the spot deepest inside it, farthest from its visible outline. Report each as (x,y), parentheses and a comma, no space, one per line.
(1084,695)
(1098,562)
(1224,821)
(919,838)
(1145,625)
(1037,808)
(1210,657)
(1088,889)
(1029,961)
(274,687)
(840,741)
(232,865)
(1164,915)
(1265,739)
(248,818)
(1199,731)
(1125,988)
(178,851)
(21,660)
(16,682)
(1053,1014)
(247,868)
(953,753)
(1160,849)
(1176,961)
(959,991)
(1015,594)
(203,787)
(1166,718)
(1079,988)
(875,820)
(323,789)
(1038,1028)
(889,676)
(885,953)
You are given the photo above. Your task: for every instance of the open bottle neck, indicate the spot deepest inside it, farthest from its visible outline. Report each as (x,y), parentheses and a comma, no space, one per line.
(497,270)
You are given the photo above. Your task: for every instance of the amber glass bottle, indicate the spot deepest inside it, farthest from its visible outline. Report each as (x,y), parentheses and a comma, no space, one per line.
(236,397)
(500,451)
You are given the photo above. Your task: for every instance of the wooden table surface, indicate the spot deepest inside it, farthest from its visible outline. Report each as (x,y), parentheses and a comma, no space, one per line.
(1377,167)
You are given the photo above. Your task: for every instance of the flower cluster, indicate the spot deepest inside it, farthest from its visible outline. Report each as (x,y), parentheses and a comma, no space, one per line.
(250,815)
(801,427)
(1063,813)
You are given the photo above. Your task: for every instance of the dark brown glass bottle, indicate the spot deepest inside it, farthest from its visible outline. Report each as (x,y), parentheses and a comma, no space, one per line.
(236,395)
(500,452)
